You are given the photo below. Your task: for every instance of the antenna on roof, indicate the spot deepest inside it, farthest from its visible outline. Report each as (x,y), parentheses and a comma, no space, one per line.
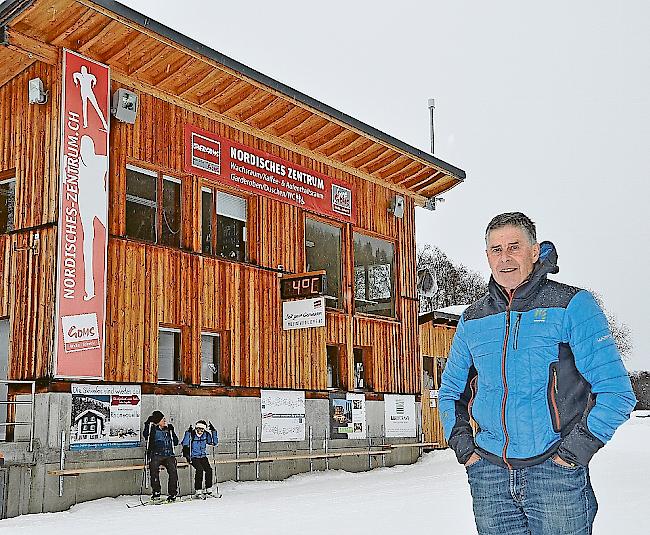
(432,107)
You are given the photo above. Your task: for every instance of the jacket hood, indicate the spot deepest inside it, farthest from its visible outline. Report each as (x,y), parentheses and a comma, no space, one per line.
(546,263)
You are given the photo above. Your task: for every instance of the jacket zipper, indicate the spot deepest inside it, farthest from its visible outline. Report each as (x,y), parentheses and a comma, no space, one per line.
(516,337)
(473,386)
(556,412)
(511,296)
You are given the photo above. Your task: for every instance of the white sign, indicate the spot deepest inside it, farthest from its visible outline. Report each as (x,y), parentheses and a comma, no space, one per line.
(399,415)
(105,416)
(283,415)
(433,399)
(303,313)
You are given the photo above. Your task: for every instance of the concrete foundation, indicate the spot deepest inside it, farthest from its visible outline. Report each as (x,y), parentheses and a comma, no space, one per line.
(25,486)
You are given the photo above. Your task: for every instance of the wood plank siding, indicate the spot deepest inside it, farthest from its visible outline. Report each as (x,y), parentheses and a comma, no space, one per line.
(148,285)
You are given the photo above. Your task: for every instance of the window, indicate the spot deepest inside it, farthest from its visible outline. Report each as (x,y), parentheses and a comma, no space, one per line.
(4,368)
(333,367)
(211,358)
(151,217)
(374,276)
(223,221)
(428,372)
(169,354)
(170,232)
(7,202)
(362,368)
(323,251)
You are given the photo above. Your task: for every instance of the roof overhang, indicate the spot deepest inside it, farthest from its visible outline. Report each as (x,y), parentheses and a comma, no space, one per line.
(148,56)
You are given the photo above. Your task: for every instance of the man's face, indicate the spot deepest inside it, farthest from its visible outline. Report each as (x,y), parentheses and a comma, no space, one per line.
(511,256)
(162,423)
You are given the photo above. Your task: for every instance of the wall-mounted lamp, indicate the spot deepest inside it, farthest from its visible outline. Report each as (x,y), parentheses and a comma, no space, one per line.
(37,94)
(125,106)
(396,206)
(431,202)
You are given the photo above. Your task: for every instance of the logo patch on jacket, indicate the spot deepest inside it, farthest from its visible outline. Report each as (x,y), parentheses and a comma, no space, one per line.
(539,315)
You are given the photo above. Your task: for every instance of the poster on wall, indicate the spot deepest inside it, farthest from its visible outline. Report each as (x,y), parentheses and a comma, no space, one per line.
(399,415)
(250,170)
(105,416)
(348,415)
(283,415)
(303,313)
(83,210)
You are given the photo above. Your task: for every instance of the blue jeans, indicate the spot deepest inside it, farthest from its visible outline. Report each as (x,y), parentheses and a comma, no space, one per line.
(545,499)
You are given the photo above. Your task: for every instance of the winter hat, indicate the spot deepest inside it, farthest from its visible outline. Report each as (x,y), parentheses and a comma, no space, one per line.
(201,425)
(156,416)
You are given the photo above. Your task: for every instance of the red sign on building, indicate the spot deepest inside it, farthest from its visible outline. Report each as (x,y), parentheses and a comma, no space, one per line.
(83,210)
(254,171)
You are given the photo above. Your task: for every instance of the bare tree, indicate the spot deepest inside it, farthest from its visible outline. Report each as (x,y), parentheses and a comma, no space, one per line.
(455,283)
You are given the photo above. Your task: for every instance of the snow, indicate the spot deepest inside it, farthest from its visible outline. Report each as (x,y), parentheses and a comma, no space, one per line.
(429,496)
(453,309)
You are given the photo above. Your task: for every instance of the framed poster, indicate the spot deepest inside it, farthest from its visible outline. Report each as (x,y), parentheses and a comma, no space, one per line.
(105,416)
(348,416)
(399,415)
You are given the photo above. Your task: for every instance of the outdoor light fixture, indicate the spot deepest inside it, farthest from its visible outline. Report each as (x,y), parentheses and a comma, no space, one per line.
(125,106)
(431,202)
(397,206)
(37,95)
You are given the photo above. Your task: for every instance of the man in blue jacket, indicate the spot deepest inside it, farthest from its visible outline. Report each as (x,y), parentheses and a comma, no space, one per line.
(195,444)
(161,439)
(534,365)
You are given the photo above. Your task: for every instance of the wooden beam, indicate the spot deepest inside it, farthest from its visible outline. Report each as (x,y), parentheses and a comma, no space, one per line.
(76,24)
(250,114)
(358,146)
(32,48)
(279,111)
(246,103)
(98,36)
(421,181)
(172,68)
(424,172)
(294,119)
(222,85)
(409,170)
(229,102)
(379,163)
(370,154)
(330,148)
(311,131)
(156,53)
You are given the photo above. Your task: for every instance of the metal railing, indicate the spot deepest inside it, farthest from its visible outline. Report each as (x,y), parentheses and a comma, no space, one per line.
(31,403)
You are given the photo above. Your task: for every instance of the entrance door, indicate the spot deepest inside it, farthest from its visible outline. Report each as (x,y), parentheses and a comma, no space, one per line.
(431,425)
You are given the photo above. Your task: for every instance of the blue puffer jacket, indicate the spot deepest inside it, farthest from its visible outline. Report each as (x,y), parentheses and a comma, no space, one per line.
(196,445)
(539,372)
(162,441)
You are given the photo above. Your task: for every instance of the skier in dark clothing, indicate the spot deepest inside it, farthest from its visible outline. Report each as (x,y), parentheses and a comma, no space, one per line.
(161,439)
(195,444)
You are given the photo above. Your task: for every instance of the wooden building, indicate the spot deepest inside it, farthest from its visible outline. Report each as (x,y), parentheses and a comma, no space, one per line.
(437,331)
(194,258)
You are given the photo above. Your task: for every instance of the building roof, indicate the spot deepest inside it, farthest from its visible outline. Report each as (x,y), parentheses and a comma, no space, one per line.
(146,55)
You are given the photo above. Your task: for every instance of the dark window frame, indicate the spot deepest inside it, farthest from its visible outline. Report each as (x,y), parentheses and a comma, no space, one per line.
(395,316)
(6,177)
(365,358)
(214,222)
(220,358)
(341,226)
(178,378)
(161,176)
(338,382)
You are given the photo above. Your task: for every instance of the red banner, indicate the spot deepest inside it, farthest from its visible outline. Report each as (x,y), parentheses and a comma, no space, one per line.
(254,171)
(83,210)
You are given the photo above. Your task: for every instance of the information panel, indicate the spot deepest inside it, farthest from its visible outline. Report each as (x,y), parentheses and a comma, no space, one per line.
(283,415)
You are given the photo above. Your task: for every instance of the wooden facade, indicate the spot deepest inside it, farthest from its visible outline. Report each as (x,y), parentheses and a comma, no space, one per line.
(149,285)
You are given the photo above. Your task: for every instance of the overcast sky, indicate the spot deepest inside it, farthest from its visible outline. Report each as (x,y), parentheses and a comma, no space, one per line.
(545,105)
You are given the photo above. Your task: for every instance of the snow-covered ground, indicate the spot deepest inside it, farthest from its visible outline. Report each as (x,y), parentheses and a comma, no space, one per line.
(429,496)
